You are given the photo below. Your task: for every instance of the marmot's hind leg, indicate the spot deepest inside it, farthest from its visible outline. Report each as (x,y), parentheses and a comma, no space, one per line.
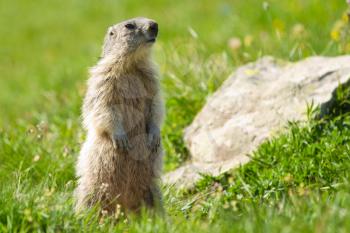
(88,199)
(153,198)
(83,198)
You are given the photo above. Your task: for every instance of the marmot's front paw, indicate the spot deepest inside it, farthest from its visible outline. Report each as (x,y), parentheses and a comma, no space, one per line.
(121,142)
(153,137)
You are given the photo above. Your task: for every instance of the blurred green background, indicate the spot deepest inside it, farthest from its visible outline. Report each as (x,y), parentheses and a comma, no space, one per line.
(46,48)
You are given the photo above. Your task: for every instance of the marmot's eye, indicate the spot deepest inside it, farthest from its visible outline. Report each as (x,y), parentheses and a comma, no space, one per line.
(130,26)
(111,33)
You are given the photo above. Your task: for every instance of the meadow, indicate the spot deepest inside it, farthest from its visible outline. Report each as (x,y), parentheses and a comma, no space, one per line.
(296,182)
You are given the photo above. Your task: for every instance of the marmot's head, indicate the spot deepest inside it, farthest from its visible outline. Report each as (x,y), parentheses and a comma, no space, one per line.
(130,36)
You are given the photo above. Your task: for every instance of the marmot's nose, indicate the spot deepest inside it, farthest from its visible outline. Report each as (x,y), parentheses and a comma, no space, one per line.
(153,28)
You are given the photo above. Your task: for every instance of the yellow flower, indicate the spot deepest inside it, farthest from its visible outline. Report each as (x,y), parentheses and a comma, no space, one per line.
(248,40)
(336,31)
(345,18)
(347,48)
(278,25)
(335,35)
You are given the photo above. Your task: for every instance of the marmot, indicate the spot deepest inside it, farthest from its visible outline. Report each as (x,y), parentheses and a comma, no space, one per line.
(121,159)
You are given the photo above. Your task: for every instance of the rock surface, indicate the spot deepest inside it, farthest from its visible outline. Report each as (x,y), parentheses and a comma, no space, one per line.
(250,107)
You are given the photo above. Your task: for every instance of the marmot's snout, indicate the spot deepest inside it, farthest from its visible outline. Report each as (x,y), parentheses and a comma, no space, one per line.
(152,31)
(153,28)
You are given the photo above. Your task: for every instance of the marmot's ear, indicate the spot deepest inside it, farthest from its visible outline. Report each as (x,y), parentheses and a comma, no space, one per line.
(110,30)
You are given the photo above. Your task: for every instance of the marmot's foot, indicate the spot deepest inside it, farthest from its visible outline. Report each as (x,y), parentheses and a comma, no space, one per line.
(153,137)
(121,142)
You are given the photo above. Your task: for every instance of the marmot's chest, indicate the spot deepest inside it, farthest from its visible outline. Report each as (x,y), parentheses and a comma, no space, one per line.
(134,95)
(135,90)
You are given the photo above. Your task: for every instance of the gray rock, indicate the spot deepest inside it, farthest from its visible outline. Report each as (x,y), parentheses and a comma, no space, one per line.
(253,105)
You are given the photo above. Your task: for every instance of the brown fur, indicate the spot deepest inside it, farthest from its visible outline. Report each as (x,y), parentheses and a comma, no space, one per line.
(122,96)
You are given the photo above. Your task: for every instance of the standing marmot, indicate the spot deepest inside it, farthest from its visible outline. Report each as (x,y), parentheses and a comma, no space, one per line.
(121,159)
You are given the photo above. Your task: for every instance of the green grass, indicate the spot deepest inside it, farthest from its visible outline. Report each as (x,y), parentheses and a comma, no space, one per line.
(296,182)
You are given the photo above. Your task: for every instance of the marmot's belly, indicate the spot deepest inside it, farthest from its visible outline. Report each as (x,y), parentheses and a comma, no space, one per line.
(135,113)
(130,172)
(121,177)
(137,184)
